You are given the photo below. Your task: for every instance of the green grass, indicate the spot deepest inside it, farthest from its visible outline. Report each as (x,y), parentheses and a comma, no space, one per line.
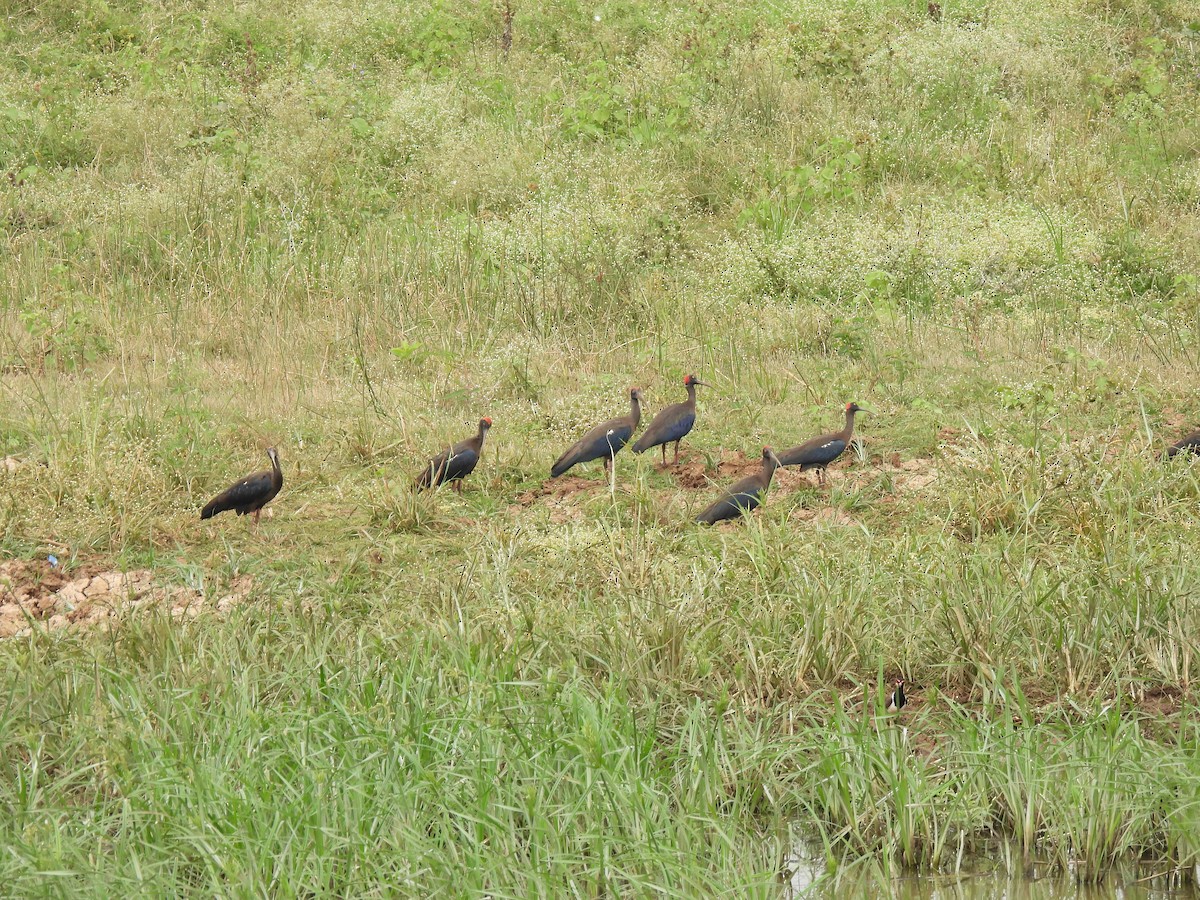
(350,230)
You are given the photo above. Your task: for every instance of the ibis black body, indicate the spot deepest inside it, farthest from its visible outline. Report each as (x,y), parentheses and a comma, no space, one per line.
(250,494)
(604,441)
(817,453)
(745,495)
(672,423)
(455,463)
(1189,444)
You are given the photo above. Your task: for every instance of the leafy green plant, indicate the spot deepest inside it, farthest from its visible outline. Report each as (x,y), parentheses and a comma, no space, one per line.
(63,334)
(598,109)
(798,191)
(441,38)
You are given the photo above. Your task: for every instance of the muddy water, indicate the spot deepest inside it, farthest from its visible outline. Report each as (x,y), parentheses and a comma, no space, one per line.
(983,878)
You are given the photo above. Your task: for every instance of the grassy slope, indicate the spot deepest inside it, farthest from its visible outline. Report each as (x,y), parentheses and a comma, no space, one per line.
(351,229)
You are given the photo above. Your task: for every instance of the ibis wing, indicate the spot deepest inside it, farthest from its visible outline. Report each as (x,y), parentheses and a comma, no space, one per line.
(456,462)
(460,464)
(434,470)
(570,458)
(741,498)
(610,438)
(671,424)
(245,496)
(679,428)
(817,452)
(603,440)
(746,494)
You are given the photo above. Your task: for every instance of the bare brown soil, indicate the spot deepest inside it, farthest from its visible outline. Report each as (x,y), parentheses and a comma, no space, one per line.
(563,486)
(35,595)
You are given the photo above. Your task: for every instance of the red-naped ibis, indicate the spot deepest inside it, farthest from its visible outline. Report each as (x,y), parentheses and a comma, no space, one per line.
(672,423)
(455,463)
(896,698)
(1189,444)
(250,494)
(819,452)
(605,440)
(745,495)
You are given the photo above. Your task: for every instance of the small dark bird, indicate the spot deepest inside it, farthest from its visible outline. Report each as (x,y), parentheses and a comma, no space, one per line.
(250,494)
(672,423)
(1189,444)
(605,440)
(819,452)
(745,495)
(457,462)
(896,698)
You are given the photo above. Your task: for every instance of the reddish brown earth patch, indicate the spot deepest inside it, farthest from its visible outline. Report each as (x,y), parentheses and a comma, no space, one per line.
(1162,701)
(694,476)
(34,595)
(558,496)
(949,435)
(1174,419)
(734,464)
(906,474)
(563,486)
(792,480)
(561,510)
(914,474)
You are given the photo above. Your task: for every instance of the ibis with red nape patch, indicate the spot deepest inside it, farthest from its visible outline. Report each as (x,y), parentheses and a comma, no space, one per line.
(672,423)
(745,495)
(603,441)
(455,463)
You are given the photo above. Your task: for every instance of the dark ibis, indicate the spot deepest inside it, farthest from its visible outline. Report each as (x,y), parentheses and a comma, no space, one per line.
(819,452)
(603,441)
(896,698)
(455,463)
(745,495)
(1189,444)
(672,423)
(250,494)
